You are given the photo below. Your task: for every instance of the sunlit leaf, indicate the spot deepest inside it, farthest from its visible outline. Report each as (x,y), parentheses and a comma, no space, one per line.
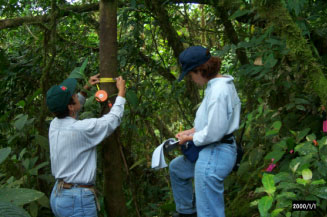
(264,205)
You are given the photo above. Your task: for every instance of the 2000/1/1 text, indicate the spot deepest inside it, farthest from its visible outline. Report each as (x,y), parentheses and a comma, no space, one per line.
(301,205)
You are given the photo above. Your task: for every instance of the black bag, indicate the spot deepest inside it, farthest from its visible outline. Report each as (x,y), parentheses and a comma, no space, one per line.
(239,150)
(240,153)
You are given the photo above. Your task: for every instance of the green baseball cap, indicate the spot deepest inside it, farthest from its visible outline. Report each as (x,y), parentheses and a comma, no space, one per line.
(58,96)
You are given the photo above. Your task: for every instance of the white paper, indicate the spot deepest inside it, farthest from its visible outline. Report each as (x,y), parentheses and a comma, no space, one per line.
(158,158)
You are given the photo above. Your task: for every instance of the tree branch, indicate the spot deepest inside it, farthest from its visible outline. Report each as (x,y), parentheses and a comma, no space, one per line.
(32,20)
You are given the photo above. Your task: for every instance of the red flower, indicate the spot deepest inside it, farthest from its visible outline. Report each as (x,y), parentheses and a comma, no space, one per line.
(315,142)
(291,151)
(270,167)
(63,88)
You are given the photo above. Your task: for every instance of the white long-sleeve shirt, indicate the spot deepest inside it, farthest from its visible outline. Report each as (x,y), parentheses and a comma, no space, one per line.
(219,112)
(73,143)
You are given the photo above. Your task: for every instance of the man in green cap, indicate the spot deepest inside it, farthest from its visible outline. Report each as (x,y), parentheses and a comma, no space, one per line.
(73,146)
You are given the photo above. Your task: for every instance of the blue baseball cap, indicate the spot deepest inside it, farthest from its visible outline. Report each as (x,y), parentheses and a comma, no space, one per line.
(191,58)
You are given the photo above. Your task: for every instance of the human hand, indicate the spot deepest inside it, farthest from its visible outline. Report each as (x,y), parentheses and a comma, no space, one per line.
(184,138)
(120,84)
(95,79)
(185,132)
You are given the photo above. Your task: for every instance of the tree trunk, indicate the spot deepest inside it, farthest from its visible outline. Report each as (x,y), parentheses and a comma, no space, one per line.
(113,164)
(174,41)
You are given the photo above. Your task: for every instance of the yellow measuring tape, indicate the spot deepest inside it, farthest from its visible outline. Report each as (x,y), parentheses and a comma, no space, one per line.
(104,80)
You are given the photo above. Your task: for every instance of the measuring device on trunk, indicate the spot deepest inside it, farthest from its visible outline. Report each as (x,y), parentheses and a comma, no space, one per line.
(102,95)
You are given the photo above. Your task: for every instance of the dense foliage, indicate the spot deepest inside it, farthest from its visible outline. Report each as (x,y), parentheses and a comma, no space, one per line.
(276,51)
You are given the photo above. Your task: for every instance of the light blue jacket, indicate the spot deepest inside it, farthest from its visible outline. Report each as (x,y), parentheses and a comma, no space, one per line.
(219,112)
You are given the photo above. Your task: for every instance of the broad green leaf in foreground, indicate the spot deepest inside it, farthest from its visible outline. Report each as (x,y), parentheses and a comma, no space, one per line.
(264,205)
(19,196)
(11,210)
(269,183)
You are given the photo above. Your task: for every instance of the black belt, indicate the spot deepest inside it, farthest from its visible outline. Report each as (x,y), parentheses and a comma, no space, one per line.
(229,139)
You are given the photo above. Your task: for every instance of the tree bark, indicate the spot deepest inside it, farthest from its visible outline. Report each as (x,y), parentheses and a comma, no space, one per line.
(115,203)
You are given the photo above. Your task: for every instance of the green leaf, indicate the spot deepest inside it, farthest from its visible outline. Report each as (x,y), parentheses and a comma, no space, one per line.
(137,163)
(311,137)
(78,72)
(306,149)
(34,171)
(243,169)
(239,13)
(131,98)
(21,104)
(302,134)
(277,155)
(301,163)
(288,195)
(294,168)
(269,183)
(307,174)
(11,210)
(276,212)
(270,61)
(33,209)
(300,107)
(318,182)
(255,156)
(42,141)
(254,203)
(285,186)
(274,128)
(302,181)
(82,69)
(301,101)
(21,154)
(282,176)
(259,190)
(44,201)
(20,122)
(19,196)
(4,153)
(282,145)
(277,125)
(321,192)
(264,205)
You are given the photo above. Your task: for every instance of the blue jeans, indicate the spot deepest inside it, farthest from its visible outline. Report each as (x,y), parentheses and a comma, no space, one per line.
(74,202)
(214,164)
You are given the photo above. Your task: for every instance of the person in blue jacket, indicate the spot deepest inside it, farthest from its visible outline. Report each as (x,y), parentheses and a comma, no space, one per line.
(216,119)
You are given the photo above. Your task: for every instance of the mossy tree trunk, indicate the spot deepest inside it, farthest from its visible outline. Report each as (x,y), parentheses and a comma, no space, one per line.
(174,41)
(300,53)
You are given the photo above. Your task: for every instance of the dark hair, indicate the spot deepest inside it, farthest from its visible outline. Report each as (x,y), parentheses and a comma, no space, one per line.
(65,113)
(210,68)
